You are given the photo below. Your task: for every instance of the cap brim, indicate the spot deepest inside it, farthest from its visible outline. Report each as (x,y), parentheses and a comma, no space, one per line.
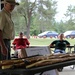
(14,3)
(10,2)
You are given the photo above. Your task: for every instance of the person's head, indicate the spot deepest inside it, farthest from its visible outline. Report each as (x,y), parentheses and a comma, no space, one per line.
(61,36)
(21,35)
(9,5)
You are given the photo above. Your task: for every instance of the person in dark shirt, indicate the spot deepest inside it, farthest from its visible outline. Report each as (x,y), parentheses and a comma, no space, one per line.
(60,45)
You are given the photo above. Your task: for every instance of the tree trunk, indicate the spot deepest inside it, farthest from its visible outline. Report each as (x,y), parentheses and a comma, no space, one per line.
(28,29)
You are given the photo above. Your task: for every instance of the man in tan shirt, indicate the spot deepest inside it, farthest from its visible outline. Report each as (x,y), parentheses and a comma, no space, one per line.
(6,28)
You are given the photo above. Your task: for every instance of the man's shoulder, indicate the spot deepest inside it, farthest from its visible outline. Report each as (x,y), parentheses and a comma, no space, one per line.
(2,13)
(16,38)
(25,38)
(56,40)
(65,40)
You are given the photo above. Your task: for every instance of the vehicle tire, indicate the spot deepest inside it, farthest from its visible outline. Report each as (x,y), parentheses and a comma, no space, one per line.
(45,36)
(60,69)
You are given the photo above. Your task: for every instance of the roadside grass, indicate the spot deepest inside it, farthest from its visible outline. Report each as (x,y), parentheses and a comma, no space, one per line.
(46,42)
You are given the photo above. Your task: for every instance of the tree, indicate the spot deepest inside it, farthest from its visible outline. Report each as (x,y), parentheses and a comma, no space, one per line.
(25,10)
(46,12)
(70,17)
(45,8)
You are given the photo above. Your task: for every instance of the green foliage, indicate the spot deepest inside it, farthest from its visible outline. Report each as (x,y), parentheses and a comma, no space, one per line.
(36,17)
(34,32)
(70,18)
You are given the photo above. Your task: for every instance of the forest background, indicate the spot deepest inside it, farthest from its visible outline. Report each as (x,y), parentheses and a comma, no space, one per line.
(35,17)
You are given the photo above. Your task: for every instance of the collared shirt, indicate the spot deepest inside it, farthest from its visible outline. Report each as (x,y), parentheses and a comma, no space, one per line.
(6,25)
(21,43)
(60,44)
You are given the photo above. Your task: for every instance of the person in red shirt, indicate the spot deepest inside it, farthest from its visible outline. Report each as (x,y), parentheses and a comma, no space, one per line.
(20,43)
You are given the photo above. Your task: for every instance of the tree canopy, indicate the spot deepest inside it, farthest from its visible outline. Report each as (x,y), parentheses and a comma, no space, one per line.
(38,16)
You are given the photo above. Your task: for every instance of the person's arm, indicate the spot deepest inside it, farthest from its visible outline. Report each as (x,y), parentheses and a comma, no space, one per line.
(3,47)
(67,43)
(27,43)
(14,44)
(2,25)
(52,44)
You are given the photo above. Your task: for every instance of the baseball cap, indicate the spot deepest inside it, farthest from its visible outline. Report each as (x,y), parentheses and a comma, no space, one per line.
(10,1)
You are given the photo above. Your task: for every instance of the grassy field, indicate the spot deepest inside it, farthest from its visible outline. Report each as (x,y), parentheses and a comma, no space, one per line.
(46,42)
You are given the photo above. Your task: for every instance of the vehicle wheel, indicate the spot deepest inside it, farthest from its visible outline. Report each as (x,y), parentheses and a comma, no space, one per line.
(60,69)
(44,36)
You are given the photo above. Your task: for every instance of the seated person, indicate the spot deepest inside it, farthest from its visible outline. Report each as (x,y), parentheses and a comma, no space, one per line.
(60,45)
(20,43)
